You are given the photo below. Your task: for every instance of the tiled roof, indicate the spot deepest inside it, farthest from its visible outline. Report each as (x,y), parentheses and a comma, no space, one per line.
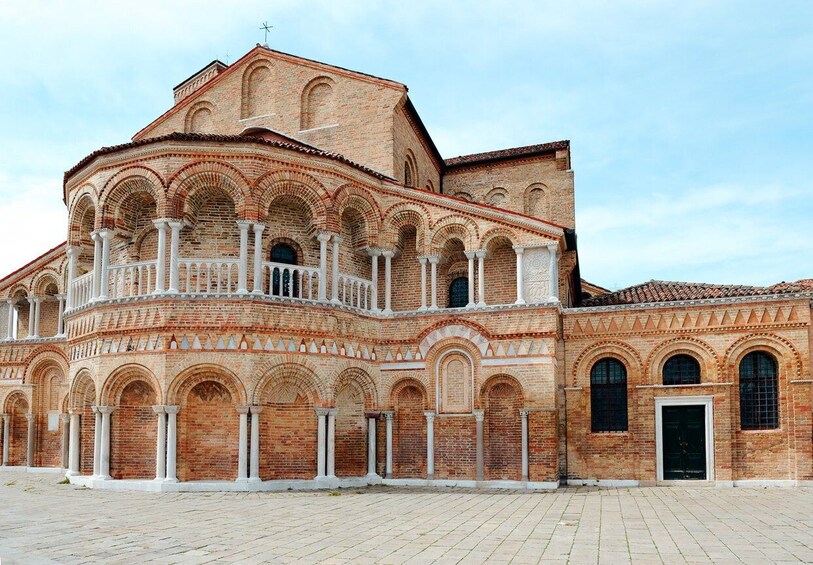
(513,153)
(670,291)
(213,138)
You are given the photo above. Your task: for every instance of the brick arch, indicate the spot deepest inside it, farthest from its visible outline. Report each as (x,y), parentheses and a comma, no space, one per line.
(699,350)
(502,397)
(185,381)
(309,119)
(121,377)
(13,398)
(454,227)
(81,386)
(462,329)
(83,203)
(296,374)
(495,234)
(353,394)
(202,105)
(18,406)
(538,209)
(782,349)
(298,185)
(404,382)
(43,358)
(129,181)
(203,175)
(246,94)
(406,214)
(615,349)
(409,399)
(43,278)
(352,197)
(352,374)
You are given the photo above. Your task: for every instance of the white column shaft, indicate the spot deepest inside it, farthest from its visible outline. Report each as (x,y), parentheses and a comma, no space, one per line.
(320,444)
(334,294)
(524,415)
(32,314)
(105,466)
(97,444)
(371,446)
(389,418)
(434,286)
(174,259)
(97,264)
(73,449)
(520,297)
(330,468)
(72,252)
(258,258)
(323,239)
(430,445)
(242,450)
(60,323)
(374,275)
(10,321)
(6,425)
(388,281)
(103,282)
(65,421)
(172,443)
(470,256)
(242,267)
(422,261)
(160,447)
(254,474)
(161,260)
(37,307)
(481,279)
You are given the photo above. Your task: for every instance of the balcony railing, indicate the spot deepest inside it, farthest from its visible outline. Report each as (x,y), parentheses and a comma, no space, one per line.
(291,281)
(82,289)
(134,279)
(355,291)
(208,276)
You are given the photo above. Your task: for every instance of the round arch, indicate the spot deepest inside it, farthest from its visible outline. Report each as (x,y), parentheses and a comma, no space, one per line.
(203,175)
(121,377)
(699,350)
(619,350)
(192,376)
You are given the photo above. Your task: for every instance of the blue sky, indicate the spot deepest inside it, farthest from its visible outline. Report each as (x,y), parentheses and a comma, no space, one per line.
(691,122)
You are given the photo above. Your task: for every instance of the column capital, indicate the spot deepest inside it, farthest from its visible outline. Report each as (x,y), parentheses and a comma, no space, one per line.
(175,224)
(480,253)
(388,414)
(523,412)
(172,409)
(519,249)
(5,415)
(94,409)
(106,409)
(106,233)
(74,411)
(479,415)
(160,223)
(374,251)
(159,409)
(430,415)
(60,296)
(244,224)
(332,411)
(388,253)
(12,301)
(29,416)
(433,259)
(337,238)
(256,409)
(31,299)
(321,411)
(73,250)
(242,409)
(324,236)
(258,227)
(470,254)
(422,259)
(64,418)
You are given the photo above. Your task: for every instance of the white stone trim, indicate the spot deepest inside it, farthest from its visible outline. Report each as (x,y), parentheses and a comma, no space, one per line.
(503,361)
(708,403)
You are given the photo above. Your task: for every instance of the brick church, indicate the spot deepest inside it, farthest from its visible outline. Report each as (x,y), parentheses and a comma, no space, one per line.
(281,283)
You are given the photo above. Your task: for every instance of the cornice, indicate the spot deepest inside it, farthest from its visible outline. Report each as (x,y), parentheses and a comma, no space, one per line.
(691,303)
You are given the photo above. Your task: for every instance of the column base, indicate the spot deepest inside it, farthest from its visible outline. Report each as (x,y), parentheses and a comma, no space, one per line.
(386,311)
(257,292)
(242,291)
(159,480)
(520,302)
(72,474)
(168,480)
(481,304)
(241,480)
(373,477)
(255,480)
(470,305)
(430,477)
(335,301)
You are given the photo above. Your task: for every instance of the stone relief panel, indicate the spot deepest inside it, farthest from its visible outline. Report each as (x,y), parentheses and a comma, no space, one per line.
(455,386)
(536,274)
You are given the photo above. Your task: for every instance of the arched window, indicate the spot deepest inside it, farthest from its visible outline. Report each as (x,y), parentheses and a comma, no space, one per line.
(681,370)
(282,253)
(459,292)
(409,176)
(759,399)
(608,396)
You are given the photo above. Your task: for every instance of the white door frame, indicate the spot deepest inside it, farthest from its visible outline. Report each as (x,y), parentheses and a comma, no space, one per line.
(708,402)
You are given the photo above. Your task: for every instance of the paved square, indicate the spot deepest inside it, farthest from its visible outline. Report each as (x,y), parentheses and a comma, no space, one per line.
(45,522)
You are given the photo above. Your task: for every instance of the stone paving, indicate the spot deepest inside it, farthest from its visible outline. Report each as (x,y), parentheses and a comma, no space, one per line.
(45,522)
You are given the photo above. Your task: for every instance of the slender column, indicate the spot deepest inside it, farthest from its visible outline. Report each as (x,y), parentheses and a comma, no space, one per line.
(520,298)
(422,261)
(481,278)
(478,419)
(65,422)
(242,450)
(242,267)
(337,240)
(29,452)
(330,469)
(106,236)
(97,442)
(161,260)
(60,322)
(6,422)
(161,444)
(38,307)
(105,466)
(97,264)
(389,415)
(524,415)
(434,260)
(554,273)
(321,416)
(371,446)
(10,322)
(470,255)
(172,443)
(174,250)
(73,450)
(323,238)
(430,444)
(254,474)
(32,314)
(374,254)
(388,255)
(73,253)
(258,258)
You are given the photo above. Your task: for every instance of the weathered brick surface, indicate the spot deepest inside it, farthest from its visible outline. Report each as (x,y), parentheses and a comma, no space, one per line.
(455,447)
(133,433)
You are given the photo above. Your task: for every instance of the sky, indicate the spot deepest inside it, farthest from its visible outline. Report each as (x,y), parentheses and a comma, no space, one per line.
(691,122)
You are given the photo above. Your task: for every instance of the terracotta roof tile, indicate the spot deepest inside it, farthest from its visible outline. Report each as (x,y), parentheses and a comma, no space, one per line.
(513,153)
(671,291)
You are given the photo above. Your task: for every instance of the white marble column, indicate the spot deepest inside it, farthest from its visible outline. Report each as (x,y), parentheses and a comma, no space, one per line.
(12,304)
(30,437)
(481,278)
(6,425)
(374,254)
(389,415)
(254,463)
(242,447)
(74,448)
(334,275)
(478,446)
(161,259)
(38,308)
(321,417)
(430,444)
(388,255)
(161,444)
(554,273)
(323,238)
(97,442)
(242,267)
(105,447)
(433,261)
(258,258)
(330,466)
(524,415)
(72,253)
(174,251)
(520,297)
(371,445)
(65,424)
(106,235)
(470,255)
(172,443)
(60,322)
(97,264)
(32,314)
(422,261)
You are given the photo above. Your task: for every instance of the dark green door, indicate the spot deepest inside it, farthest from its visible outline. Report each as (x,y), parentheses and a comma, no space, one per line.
(684,442)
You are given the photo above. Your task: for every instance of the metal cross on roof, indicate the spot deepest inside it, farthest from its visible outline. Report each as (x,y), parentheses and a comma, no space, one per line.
(266,28)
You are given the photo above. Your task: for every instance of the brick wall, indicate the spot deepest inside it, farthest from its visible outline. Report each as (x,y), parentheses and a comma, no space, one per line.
(18,437)
(288,439)
(409,435)
(351,433)
(543,447)
(455,447)
(502,433)
(208,427)
(133,433)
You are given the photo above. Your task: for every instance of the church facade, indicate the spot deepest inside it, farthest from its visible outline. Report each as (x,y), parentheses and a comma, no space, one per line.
(280,283)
